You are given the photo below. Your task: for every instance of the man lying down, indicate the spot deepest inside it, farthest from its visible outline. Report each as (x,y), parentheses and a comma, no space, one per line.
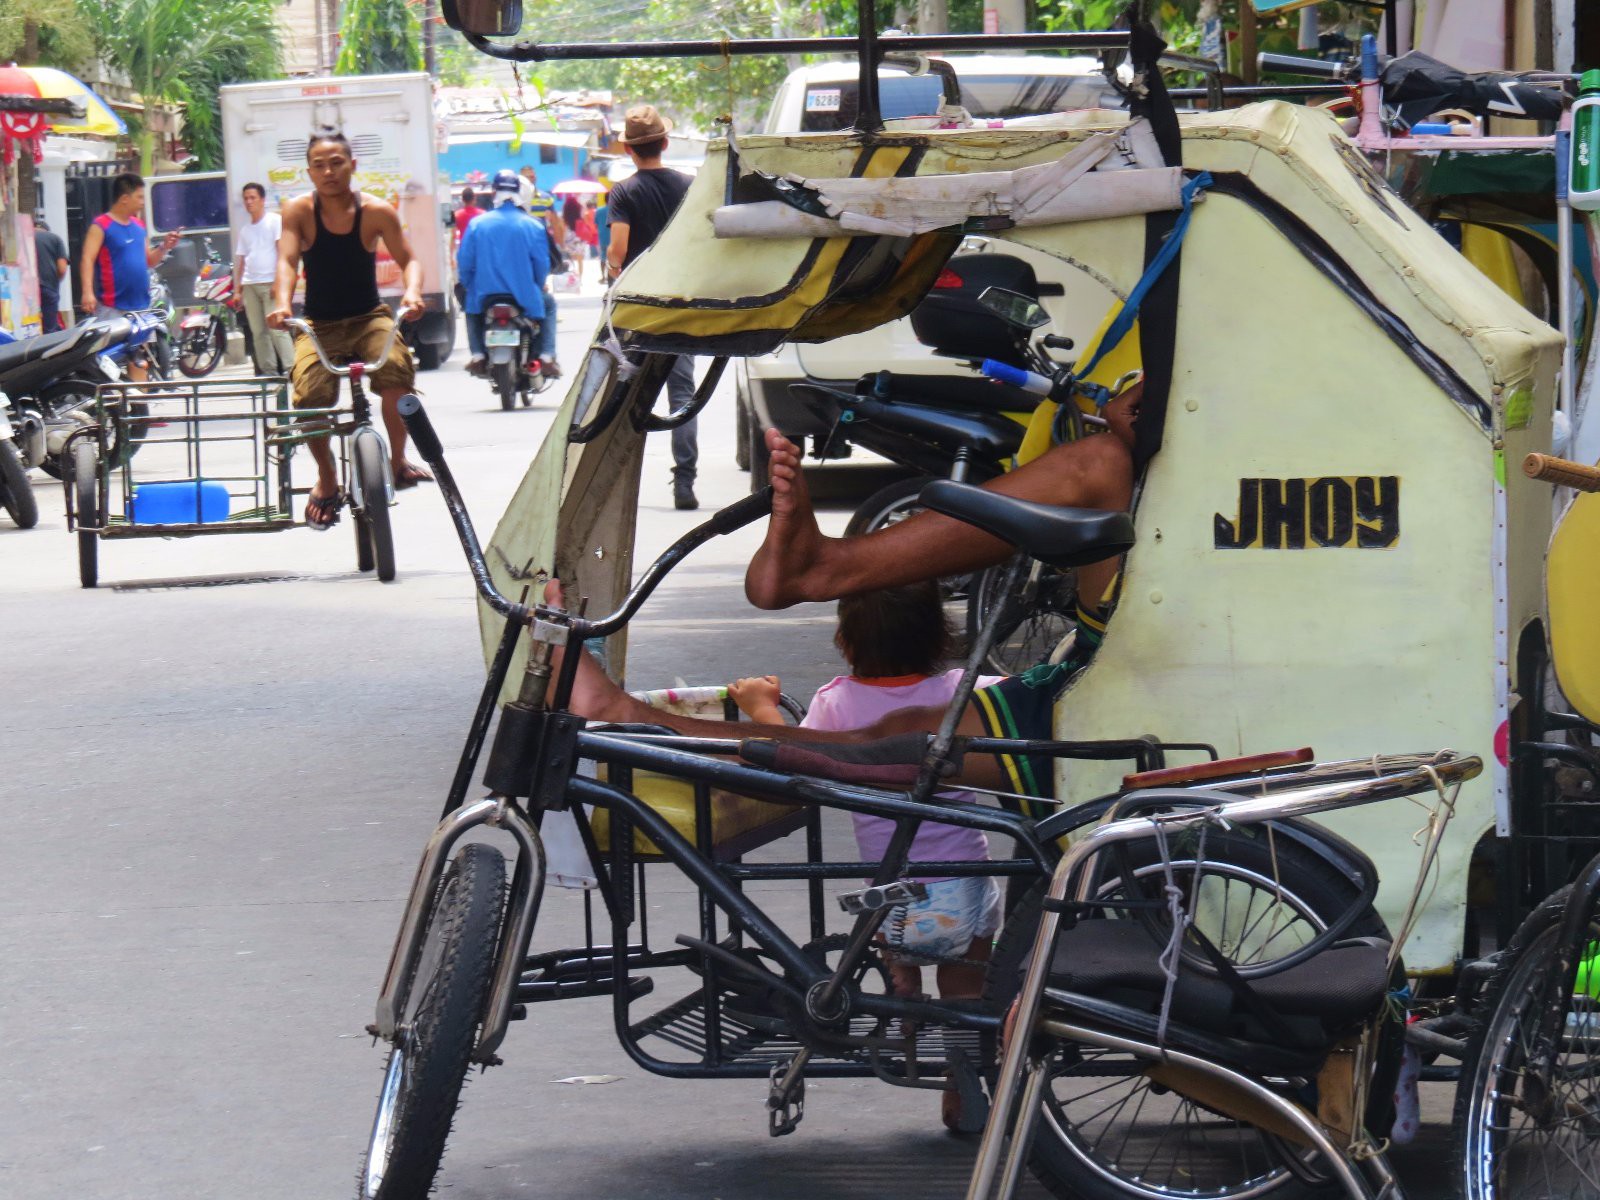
(798,563)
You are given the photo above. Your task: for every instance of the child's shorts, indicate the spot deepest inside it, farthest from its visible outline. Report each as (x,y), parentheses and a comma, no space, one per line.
(945,924)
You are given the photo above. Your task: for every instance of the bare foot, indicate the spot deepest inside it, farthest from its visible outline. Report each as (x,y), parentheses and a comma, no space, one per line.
(594,695)
(783,569)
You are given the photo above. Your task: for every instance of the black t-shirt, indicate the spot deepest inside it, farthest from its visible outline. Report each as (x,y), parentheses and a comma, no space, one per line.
(645,203)
(49,249)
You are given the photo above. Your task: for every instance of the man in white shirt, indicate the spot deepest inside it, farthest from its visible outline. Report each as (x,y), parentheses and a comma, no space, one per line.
(255,266)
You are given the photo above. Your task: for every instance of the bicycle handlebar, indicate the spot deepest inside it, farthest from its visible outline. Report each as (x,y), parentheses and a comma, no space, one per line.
(1562,471)
(302,326)
(726,520)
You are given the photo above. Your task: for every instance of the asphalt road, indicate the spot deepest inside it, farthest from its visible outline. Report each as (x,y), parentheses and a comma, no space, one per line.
(215,796)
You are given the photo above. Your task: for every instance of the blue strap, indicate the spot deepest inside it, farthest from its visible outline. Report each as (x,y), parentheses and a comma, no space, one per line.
(1118,329)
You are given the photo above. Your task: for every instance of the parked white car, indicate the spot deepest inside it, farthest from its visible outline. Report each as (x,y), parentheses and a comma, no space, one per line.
(822,98)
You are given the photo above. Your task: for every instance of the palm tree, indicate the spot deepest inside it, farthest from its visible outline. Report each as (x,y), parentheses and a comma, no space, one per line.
(376,36)
(179,52)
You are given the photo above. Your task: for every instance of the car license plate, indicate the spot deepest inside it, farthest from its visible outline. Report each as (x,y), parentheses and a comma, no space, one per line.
(502,337)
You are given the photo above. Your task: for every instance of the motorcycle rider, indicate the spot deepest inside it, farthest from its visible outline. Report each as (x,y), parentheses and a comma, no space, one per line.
(503,252)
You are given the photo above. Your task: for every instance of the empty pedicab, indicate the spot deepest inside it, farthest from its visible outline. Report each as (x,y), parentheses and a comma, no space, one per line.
(1332,542)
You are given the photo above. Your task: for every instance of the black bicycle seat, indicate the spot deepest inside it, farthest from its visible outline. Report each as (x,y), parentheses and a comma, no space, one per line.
(1059,537)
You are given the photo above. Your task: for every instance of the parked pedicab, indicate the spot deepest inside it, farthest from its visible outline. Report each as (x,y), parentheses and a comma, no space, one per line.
(217,457)
(1327,547)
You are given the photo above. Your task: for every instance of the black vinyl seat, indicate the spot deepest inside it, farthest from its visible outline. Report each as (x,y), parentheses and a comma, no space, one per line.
(1059,537)
(1318,1000)
(48,345)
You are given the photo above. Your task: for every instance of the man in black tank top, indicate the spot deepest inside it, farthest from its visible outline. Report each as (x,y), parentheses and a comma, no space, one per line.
(335,231)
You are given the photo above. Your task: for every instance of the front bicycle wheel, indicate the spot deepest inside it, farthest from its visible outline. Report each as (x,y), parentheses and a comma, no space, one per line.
(1108,1131)
(86,500)
(440,1011)
(1527,1113)
(377,548)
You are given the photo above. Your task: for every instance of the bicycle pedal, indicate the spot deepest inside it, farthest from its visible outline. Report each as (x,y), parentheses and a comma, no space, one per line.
(785,1108)
(882,895)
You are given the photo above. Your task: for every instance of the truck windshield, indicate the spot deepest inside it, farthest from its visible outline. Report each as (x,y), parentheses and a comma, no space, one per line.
(831,106)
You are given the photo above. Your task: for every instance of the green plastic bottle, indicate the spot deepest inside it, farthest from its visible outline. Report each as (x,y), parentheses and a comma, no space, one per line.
(1583,187)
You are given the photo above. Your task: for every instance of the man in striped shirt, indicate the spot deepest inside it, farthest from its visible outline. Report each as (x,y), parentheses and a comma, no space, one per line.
(117,256)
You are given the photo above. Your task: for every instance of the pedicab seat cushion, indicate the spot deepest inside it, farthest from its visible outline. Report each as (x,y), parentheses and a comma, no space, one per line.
(738,823)
(1318,999)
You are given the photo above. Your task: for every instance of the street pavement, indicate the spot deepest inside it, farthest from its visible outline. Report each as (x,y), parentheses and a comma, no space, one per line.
(215,797)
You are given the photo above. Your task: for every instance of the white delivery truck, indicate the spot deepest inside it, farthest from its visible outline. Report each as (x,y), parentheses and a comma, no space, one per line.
(390,123)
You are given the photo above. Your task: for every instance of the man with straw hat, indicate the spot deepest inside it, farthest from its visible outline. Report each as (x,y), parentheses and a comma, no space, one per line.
(640,208)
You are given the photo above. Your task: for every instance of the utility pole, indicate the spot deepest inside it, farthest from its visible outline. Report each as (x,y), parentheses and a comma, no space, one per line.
(933,16)
(430,25)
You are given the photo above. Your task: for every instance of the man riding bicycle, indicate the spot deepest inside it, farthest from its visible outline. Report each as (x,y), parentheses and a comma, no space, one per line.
(503,253)
(336,230)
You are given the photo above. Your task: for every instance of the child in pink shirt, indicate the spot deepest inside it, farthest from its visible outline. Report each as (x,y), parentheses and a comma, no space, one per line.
(895,640)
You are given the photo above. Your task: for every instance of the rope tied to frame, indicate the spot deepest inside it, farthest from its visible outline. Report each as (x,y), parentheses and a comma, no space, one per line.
(1171,957)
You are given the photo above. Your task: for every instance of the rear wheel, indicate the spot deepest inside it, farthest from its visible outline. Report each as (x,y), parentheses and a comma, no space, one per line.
(15,491)
(371,470)
(505,383)
(440,1011)
(86,500)
(1033,620)
(1524,1130)
(200,350)
(1109,1132)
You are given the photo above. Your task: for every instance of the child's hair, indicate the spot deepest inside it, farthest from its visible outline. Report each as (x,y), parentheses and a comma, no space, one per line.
(895,631)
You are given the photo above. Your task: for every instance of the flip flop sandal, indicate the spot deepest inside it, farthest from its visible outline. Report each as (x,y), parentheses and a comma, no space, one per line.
(409,476)
(322,512)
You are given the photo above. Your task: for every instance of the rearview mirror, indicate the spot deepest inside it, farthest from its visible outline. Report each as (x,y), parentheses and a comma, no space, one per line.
(1014,308)
(486,18)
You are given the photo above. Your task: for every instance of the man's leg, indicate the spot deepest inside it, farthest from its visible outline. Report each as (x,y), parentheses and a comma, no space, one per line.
(547,328)
(475,348)
(49,313)
(597,697)
(279,356)
(686,437)
(796,562)
(255,298)
(313,387)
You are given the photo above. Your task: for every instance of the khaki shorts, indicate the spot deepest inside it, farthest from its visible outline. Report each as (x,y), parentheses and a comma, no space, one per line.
(347,340)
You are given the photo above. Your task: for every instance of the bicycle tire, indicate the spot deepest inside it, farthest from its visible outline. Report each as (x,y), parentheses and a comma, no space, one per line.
(1492,1097)
(86,499)
(505,384)
(441,1009)
(363,543)
(1033,622)
(1059,1157)
(15,490)
(371,471)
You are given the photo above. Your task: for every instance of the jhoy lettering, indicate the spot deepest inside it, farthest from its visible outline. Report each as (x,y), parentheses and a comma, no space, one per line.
(1360,512)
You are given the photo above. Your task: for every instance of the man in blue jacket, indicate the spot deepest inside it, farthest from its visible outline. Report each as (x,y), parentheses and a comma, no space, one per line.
(503,253)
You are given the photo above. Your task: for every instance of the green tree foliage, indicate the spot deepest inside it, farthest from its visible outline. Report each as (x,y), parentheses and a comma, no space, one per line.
(179,52)
(378,36)
(45,33)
